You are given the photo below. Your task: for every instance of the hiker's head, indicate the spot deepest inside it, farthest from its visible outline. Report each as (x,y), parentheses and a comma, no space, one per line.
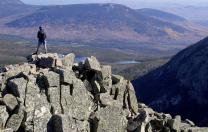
(40,28)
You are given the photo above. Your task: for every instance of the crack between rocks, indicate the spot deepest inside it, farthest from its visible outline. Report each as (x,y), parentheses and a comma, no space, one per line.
(75,120)
(33,118)
(116,94)
(26,91)
(60,100)
(124,99)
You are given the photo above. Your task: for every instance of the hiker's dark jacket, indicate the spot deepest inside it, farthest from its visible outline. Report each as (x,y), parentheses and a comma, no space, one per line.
(41,35)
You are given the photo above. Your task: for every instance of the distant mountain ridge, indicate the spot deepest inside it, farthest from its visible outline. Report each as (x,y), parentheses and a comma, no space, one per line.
(14,7)
(111,16)
(93,22)
(14,2)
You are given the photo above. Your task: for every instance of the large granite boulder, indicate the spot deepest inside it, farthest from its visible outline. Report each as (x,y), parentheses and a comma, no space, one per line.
(92,64)
(55,99)
(52,79)
(64,123)
(175,123)
(68,61)
(111,119)
(37,107)
(66,76)
(10,101)
(76,100)
(106,81)
(15,120)
(17,87)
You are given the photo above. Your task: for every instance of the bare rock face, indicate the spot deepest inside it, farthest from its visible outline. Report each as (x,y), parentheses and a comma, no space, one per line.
(10,101)
(66,75)
(53,94)
(64,123)
(17,87)
(106,81)
(92,64)
(37,107)
(15,120)
(3,117)
(68,61)
(111,118)
(175,123)
(52,79)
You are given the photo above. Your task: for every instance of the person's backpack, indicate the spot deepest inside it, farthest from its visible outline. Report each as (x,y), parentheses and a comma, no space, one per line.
(41,35)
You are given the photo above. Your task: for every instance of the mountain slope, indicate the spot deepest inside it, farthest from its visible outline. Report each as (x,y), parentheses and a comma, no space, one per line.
(162,15)
(175,19)
(112,15)
(14,7)
(197,12)
(180,86)
(13,2)
(101,21)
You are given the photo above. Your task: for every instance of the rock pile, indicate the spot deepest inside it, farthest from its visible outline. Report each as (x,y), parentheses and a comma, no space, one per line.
(52,94)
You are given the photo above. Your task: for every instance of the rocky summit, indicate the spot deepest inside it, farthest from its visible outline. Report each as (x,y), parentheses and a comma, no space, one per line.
(53,94)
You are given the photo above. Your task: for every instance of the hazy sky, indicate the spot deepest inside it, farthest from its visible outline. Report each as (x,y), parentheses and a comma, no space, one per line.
(132,3)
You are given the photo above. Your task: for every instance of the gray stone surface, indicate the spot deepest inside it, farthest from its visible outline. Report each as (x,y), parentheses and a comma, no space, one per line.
(175,123)
(111,119)
(3,116)
(88,98)
(64,123)
(66,75)
(106,82)
(52,79)
(118,90)
(10,101)
(190,122)
(55,99)
(116,78)
(37,109)
(106,99)
(196,129)
(14,70)
(129,99)
(68,61)
(7,130)
(17,87)
(76,100)
(92,64)
(15,120)
(88,85)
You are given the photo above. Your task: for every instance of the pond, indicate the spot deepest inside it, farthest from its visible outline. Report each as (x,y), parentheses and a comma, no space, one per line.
(127,62)
(82,59)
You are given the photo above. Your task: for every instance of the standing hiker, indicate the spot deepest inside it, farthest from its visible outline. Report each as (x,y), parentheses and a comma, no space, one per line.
(41,35)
